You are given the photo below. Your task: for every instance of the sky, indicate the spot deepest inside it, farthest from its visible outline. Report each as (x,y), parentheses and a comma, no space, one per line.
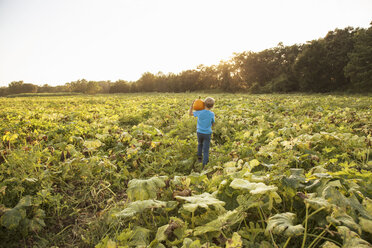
(58,41)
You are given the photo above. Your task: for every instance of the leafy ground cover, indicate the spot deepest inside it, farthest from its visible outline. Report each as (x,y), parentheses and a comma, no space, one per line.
(121,171)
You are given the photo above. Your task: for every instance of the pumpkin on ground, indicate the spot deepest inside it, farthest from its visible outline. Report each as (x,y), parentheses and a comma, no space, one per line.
(198,104)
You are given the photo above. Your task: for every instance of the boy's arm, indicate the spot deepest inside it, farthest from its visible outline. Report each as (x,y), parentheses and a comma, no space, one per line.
(190,110)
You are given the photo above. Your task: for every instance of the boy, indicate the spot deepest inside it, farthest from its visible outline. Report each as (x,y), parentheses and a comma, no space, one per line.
(204,128)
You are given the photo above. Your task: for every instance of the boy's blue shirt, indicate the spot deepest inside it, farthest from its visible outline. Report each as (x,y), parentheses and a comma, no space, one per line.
(205,121)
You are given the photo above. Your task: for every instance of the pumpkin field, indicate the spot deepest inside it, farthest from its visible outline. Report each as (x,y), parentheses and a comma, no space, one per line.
(121,171)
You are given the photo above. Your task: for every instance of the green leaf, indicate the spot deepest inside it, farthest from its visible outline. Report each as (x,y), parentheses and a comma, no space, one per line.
(176,228)
(141,237)
(351,239)
(235,241)
(125,235)
(332,195)
(37,222)
(249,201)
(160,234)
(253,188)
(12,217)
(92,144)
(189,243)
(318,202)
(144,189)
(296,179)
(328,244)
(365,224)
(340,218)
(24,202)
(367,203)
(111,244)
(137,207)
(283,224)
(196,178)
(203,201)
(154,244)
(226,220)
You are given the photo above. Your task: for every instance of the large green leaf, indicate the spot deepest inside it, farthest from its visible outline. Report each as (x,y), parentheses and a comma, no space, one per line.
(256,189)
(328,244)
(340,218)
(140,238)
(203,201)
(350,204)
(189,243)
(334,196)
(283,224)
(249,201)
(144,189)
(176,229)
(12,217)
(367,203)
(226,220)
(37,222)
(318,202)
(235,241)
(365,224)
(92,145)
(296,179)
(351,239)
(252,188)
(136,207)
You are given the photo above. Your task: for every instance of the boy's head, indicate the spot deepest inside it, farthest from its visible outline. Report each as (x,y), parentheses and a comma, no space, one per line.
(209,102)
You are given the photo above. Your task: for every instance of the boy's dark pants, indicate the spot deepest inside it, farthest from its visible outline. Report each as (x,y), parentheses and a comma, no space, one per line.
(204,141)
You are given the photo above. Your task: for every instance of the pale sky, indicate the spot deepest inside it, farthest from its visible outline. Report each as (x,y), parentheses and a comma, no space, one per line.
(59,41)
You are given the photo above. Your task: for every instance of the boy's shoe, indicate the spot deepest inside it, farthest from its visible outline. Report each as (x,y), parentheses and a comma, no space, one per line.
(199,159)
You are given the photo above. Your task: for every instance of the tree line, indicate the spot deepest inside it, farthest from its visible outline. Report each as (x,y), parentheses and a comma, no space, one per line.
(339,62)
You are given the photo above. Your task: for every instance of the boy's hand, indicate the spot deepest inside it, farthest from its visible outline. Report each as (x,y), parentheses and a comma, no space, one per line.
(191,108)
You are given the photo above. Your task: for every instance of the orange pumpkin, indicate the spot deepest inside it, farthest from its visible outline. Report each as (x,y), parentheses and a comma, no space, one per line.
(198,104)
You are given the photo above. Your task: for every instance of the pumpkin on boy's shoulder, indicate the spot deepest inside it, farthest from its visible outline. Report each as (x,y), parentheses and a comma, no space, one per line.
(198,105)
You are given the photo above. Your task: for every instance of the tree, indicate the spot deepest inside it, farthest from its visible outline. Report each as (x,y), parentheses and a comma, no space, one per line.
(4,91)
(15,87)
(225,76)
(92,87)
(45,89)
(310,67)
(120,86)
(79,86)
(320,65)
(18,87)
(207,77)
(188,80)
(29,88)
(359,68)
(146,82)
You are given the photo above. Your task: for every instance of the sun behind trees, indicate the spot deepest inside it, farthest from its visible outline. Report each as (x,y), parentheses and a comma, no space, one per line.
(338,62)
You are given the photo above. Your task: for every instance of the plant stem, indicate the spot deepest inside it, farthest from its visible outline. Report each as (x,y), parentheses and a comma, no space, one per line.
(317,238)
(272,238)
(224,235)
(245,223)
(305,232)
(328,239)
(192,220)
(287,242)
(64,229)
(315,212)
(262,218)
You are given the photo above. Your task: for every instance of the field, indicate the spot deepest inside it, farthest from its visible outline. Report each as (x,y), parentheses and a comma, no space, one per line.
(121,171)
